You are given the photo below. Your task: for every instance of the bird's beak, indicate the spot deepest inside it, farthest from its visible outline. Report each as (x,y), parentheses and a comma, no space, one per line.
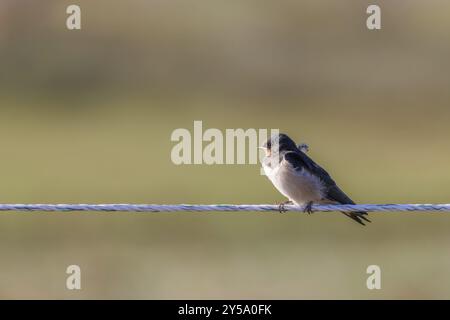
(267,151)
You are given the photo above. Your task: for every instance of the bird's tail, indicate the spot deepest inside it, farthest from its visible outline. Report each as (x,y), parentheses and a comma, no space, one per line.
(358,216)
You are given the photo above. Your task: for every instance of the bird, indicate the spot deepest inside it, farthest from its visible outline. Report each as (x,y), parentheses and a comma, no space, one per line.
(300,179)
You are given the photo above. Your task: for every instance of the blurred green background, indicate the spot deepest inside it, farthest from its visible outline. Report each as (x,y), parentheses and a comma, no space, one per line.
(86,117)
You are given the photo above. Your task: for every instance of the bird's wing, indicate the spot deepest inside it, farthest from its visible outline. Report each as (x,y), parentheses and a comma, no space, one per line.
(334,193)
(299,161)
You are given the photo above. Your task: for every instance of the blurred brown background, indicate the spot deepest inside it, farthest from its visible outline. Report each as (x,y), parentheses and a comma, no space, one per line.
(86,116)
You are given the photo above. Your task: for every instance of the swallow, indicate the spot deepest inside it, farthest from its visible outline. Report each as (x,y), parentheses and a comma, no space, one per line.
(300,179)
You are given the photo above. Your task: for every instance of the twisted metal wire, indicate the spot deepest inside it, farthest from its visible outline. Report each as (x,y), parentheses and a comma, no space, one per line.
(221,207)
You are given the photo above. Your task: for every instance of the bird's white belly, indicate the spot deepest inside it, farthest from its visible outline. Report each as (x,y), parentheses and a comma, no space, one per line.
(299,186)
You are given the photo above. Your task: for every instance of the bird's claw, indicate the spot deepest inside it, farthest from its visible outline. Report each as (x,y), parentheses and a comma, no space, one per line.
(281,207)
(308,208)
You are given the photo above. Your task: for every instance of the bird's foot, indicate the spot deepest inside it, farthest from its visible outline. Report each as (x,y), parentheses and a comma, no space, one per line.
(281,205)
(308,207)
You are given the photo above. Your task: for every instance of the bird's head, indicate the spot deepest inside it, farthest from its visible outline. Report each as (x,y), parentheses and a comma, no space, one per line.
(278,143)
